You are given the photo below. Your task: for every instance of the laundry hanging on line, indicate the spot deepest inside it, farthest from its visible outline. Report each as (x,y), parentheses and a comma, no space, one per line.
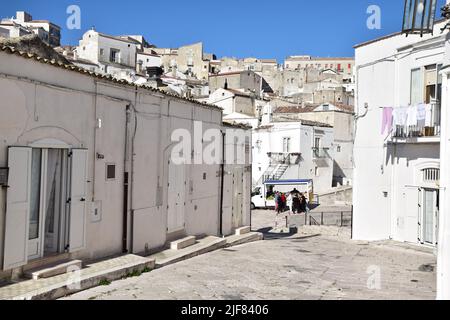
(417,116)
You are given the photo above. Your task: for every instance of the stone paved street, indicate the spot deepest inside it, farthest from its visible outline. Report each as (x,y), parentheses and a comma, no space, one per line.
(316,263)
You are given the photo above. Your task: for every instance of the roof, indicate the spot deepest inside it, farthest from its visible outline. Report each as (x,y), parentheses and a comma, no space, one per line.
(311,107)
(269,60)
(73,68)
(226,74)
(232,124)
(391,35)
(297,181)
(33,44)
(44,21)
(318,58)
(118,38)
(315,124)
(238,93)
(303,122)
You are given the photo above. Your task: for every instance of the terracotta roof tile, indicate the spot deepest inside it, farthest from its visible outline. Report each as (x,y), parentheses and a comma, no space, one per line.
(12,51)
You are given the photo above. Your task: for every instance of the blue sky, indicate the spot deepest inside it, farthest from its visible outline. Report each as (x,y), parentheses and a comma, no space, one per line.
(240,28)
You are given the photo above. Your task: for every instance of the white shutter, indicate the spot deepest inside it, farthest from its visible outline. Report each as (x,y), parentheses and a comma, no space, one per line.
(78,198)
(17,208)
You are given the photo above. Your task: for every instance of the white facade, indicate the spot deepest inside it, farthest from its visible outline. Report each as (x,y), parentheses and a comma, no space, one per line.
(111,142)
(148,60)
(443,253)
(4,33)
(396,179)
(23,24)
(233,101)
(294,150)
(113,55)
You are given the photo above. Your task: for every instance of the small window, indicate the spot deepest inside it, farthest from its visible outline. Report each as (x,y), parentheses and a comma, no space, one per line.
(102,51)
(431,175)
(338,148)
(110,171)
(286,145)
(114,55)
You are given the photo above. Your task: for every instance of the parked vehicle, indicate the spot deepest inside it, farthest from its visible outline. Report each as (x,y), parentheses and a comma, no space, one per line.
(263,195)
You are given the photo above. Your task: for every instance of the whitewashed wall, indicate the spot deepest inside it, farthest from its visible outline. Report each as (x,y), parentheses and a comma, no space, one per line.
(64,105)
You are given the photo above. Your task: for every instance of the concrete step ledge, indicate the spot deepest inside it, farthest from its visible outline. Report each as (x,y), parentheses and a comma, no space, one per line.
(235,240)
(92,276)
(202,246)
(182,243)
(242,230)
(53,270)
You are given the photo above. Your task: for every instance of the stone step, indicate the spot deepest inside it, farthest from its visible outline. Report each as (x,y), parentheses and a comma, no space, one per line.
(235,240)
(202,246)
(98,273)
(242,230)
(182,243)
(53,269)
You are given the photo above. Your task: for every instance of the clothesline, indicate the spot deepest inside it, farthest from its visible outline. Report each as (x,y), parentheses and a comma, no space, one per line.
(413,116)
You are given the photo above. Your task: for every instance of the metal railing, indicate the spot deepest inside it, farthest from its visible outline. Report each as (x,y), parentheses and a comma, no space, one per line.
(342,218)
(320,153)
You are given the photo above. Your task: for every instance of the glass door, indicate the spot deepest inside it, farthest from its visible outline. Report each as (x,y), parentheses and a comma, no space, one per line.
(47,222)
(35,204)
(430,209)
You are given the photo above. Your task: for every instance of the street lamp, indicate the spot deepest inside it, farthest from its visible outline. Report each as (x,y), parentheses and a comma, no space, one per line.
(419,17)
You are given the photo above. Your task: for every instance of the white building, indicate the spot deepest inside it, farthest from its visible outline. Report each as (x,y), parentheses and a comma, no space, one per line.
(24,24)
(4,33)
(294,150)
(341,118)
(397,172)
(111,55)
(87,169)
(233,101)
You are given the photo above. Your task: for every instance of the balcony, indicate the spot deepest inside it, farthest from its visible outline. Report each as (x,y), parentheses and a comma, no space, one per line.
(420,132)
(320,153)
(282,157)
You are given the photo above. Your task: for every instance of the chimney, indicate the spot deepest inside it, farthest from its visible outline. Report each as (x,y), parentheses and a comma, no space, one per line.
(22,16)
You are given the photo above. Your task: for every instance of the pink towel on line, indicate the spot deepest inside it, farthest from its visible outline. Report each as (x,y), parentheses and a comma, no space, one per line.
(387,120)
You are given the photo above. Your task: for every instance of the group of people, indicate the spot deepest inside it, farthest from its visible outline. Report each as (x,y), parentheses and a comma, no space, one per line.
(294,200)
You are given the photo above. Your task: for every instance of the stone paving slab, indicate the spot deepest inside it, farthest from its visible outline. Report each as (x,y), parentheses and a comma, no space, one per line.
(315,263)
(91,275)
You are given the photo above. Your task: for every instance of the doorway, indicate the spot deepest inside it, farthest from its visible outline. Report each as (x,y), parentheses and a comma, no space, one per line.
(176,197)
(238,178)
(428,216)
(48,202)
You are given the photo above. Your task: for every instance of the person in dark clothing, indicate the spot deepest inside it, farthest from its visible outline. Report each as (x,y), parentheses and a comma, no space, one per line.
(283,202)
(302,203)
(279,203)
(296,204)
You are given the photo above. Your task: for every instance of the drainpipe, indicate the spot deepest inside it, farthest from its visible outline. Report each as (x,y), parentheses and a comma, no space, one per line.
(125,183)
(132,172)
(222,173)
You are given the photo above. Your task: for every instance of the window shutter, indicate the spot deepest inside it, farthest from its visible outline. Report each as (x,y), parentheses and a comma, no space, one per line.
(78,195)
(17,208)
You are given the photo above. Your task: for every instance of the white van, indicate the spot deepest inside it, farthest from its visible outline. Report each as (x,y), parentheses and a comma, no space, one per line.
(263,195)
